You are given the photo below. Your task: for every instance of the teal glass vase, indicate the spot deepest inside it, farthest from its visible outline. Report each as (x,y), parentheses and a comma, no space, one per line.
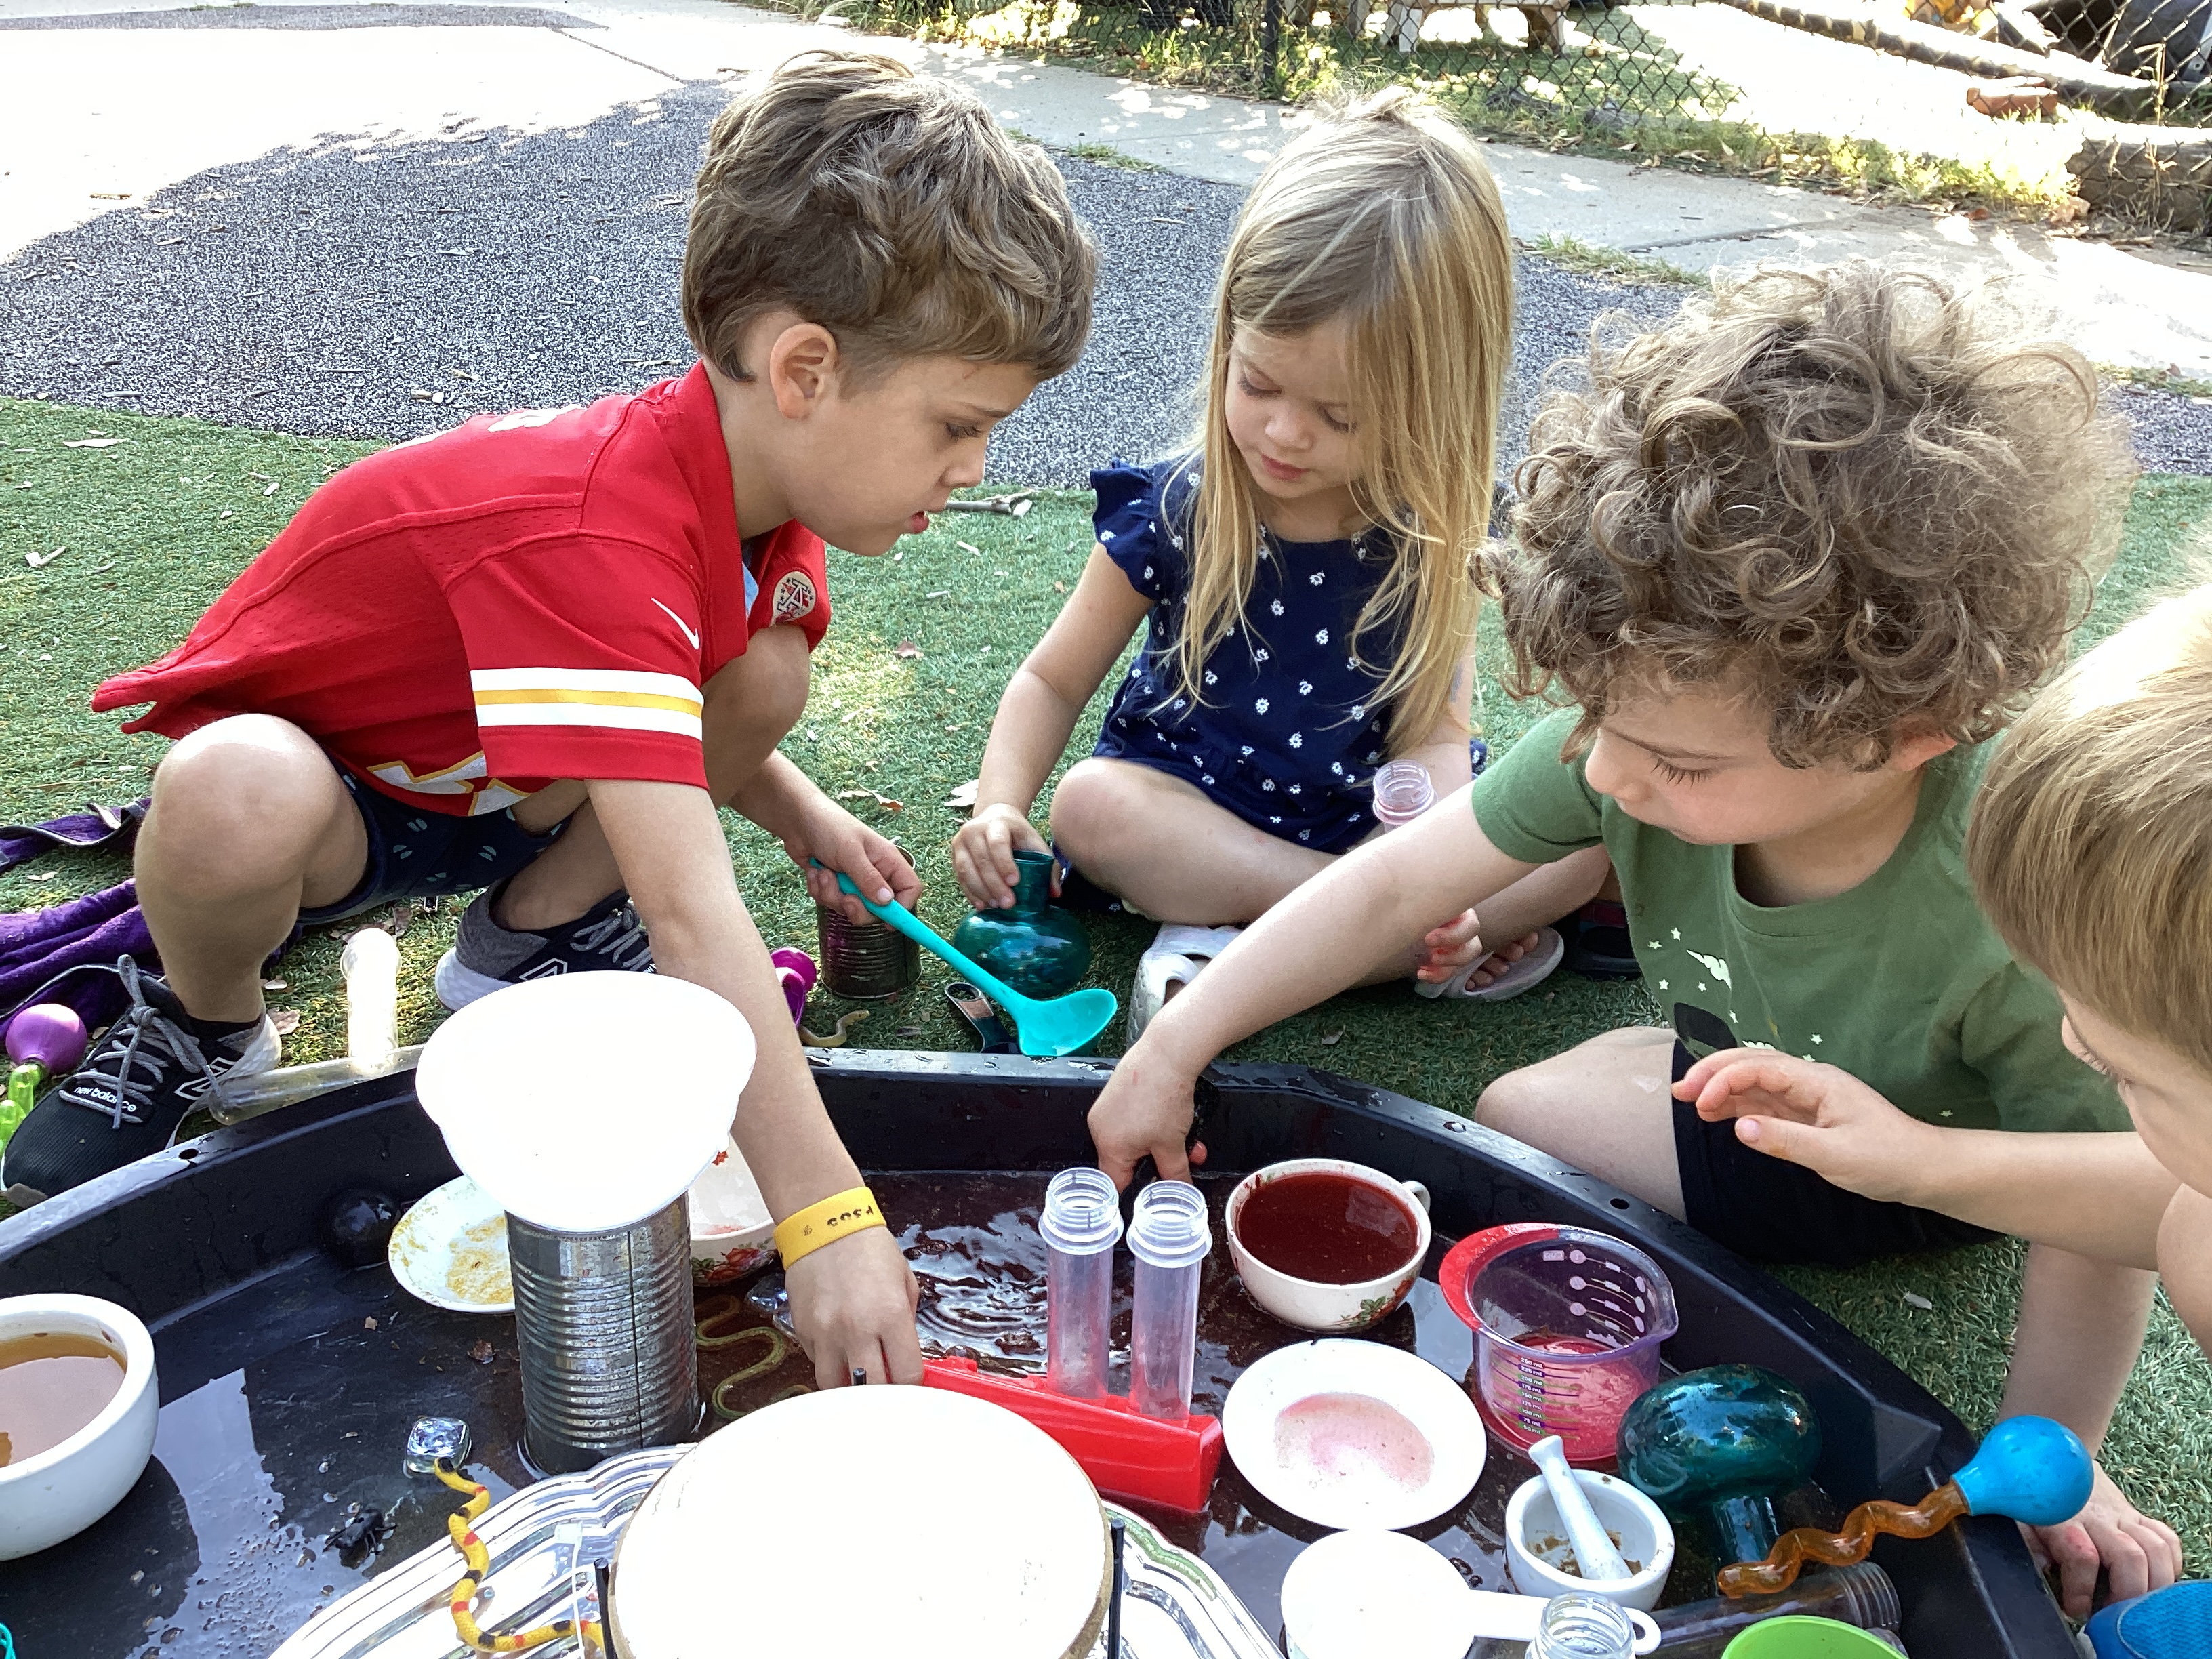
(1720,1445)
(1036,946)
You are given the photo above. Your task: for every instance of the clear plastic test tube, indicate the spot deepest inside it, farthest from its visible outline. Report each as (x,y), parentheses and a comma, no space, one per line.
(1081,1223)
(1169,1237)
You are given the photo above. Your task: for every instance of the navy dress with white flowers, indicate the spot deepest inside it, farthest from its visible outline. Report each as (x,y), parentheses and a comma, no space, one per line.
(1287,737)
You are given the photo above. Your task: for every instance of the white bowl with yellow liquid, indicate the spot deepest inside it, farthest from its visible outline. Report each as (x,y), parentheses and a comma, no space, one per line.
(56,1492)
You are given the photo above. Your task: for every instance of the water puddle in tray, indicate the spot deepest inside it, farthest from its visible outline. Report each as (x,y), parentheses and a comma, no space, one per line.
(285,1409)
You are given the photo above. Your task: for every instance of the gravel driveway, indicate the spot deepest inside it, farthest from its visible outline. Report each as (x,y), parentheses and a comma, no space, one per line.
(389,290)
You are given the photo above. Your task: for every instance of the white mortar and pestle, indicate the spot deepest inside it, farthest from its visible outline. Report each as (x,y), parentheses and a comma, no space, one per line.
(1623,1546)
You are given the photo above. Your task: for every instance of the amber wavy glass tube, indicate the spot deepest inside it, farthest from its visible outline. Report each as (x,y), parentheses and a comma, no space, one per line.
(1794,1549)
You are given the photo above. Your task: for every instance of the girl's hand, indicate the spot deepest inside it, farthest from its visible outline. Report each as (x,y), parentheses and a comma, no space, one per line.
(852,1303)
(1819,1117)
(837,841)
(1145,1108)
(983,855)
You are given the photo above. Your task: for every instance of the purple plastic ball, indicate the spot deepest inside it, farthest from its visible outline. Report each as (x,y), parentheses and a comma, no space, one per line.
(47,1035)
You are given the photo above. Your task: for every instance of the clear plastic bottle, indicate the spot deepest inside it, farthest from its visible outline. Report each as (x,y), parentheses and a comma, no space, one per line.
(1081,1223)
(1576,1627)
(1403,791)
(1169,1237)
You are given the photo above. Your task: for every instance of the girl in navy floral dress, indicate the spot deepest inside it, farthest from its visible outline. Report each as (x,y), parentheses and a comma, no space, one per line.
(1303,574)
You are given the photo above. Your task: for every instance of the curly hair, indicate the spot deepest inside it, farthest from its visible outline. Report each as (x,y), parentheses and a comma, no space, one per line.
(1861,498)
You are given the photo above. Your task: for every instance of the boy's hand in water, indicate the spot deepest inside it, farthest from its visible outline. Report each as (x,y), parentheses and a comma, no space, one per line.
(853,1305)
(983,855)
(1805,1113)
(1145,1108)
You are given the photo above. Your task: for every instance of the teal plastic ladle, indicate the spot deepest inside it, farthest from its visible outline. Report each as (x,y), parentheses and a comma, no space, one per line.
(1045,1029)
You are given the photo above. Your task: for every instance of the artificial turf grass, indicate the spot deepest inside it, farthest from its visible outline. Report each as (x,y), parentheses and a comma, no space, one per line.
(911,727)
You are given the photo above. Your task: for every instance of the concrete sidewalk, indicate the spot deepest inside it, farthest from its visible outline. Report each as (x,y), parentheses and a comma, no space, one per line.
(97,107)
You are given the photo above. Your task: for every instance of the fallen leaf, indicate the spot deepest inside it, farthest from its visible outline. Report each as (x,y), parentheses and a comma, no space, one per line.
(398,919)
(480,1352)
(1915,1300)
(272,490)
(276,984)
(907,651)
(284,1021)
(939,593)
(93,443)
(964,796)
(101,569)
(883,801)
(40,561)
(226,514)
(1060,588)
(1022,508)
(47,875)
(969,547)
(1332,1039)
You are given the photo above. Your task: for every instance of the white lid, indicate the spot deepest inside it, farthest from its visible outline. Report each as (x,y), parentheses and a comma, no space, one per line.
(1376,1594)
(587,1102)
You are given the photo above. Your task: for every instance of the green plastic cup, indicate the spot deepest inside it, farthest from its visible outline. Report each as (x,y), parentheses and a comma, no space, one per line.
(1800,1635)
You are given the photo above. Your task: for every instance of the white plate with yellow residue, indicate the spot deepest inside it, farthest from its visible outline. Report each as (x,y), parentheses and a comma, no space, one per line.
(451,1251)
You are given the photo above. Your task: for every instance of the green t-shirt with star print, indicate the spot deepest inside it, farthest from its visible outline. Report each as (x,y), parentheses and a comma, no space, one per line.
(1900,982)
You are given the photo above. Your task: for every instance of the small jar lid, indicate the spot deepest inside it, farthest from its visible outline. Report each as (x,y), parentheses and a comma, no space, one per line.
(1168,1228)
(1082,1212)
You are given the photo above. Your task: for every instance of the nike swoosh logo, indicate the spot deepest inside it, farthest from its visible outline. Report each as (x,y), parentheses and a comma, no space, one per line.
(681,624)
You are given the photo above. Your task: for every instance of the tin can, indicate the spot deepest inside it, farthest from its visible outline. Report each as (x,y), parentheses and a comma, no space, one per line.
(603,1322)
(865,961)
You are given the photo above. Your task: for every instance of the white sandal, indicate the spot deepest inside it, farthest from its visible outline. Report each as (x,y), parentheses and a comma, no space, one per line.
(1532,970)
(1173,959)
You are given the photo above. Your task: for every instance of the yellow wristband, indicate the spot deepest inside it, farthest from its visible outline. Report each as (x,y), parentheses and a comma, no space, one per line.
(833,1218)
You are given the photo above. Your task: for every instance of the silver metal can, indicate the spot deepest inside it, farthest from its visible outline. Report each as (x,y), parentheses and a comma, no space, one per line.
(865,961)
(605,1325)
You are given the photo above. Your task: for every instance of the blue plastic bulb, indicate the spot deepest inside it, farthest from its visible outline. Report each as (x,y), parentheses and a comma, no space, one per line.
(2030,1469)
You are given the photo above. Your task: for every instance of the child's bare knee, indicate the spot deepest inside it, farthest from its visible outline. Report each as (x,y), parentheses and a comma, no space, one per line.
(1509,1104)
(244,788)
(1090,809)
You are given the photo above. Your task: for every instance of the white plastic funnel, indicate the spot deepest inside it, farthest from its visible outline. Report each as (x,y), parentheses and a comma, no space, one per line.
(587,1102)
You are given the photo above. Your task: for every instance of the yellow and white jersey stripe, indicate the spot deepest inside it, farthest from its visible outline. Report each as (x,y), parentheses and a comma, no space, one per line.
(611,699)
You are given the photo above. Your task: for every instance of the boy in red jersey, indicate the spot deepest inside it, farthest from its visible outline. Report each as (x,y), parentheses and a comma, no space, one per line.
(536,654)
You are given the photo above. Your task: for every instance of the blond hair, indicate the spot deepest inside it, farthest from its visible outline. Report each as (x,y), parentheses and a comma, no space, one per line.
(890,209)
(1384,217)
(2091,843)
(1865,498)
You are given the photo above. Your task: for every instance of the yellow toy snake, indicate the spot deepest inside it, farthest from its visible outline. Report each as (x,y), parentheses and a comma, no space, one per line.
(460,1526)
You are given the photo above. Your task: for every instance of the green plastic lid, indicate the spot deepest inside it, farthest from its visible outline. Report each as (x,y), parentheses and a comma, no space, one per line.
(1798,1636)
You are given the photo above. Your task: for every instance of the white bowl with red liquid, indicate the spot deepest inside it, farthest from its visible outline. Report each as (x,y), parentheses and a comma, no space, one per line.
(1567,1326)
(1328,1245)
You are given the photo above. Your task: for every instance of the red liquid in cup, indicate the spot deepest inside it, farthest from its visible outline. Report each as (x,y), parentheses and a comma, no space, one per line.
(1327,1229)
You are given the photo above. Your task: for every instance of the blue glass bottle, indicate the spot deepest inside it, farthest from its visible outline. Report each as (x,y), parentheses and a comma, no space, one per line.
(1038,948)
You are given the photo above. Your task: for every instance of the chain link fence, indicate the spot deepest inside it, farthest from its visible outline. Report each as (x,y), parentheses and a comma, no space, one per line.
(2063,105)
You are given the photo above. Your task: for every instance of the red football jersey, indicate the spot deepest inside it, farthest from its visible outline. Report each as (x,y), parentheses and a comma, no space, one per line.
(461,620)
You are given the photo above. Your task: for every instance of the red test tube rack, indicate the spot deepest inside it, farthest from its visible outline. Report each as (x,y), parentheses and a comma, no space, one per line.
(1129,1457)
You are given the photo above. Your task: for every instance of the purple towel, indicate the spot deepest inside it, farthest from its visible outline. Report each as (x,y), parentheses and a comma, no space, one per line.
(66,953)
(99,826)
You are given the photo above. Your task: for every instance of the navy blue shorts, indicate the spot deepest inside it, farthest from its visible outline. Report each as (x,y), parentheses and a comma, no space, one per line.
(1770,1211)
(413,854)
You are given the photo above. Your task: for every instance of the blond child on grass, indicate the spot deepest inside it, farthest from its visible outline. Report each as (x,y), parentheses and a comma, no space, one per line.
(1795,558)
(1303,572)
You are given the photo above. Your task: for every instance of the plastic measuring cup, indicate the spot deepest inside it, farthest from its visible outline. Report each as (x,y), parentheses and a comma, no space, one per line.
(1567,1326)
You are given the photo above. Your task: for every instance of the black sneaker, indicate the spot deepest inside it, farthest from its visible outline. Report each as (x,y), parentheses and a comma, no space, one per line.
(132,1090)
(487,957)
